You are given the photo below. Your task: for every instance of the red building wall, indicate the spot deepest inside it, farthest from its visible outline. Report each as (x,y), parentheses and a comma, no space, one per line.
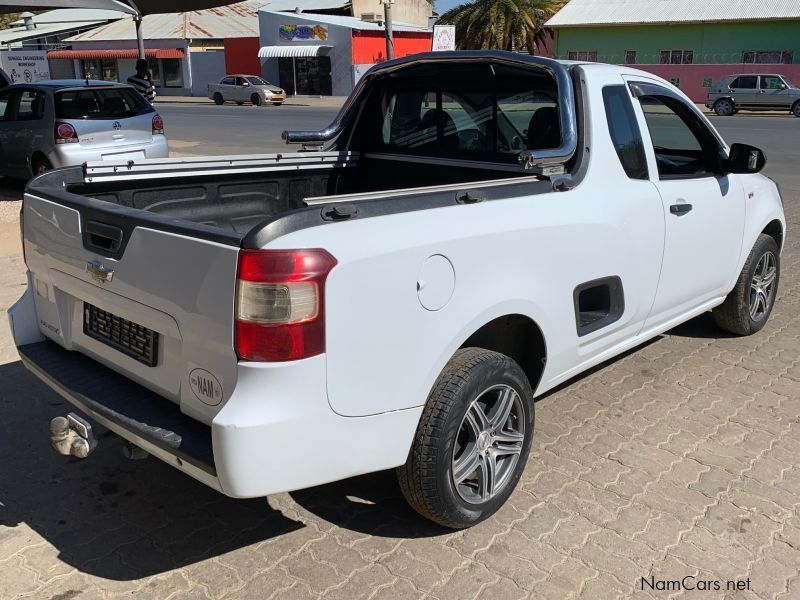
(241,56)
(692,76)
(369,47)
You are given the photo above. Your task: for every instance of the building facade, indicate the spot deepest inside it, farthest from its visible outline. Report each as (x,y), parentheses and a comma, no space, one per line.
(324,55)
(693,44)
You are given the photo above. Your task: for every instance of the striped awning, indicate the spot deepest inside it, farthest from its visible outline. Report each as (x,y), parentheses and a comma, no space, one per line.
(293,50)
(122,53)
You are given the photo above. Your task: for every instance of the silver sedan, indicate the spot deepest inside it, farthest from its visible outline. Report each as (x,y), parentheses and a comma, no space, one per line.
(246,88)
(53,124)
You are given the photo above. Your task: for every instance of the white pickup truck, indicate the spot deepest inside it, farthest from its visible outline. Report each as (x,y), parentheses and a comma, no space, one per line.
(480,227)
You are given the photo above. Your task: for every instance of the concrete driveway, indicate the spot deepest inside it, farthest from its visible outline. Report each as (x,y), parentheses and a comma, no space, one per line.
(678,462)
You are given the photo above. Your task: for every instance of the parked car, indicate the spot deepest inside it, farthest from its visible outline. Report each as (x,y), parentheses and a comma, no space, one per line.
(245,88)
(276,322)
(755,91)
(53,124)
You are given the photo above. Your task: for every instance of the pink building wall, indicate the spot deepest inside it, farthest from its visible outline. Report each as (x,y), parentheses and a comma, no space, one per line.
(692,76)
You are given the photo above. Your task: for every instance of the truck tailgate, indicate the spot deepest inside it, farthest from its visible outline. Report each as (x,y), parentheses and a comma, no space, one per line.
(154,305)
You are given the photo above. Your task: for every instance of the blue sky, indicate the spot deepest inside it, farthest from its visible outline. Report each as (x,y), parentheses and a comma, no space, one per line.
(445,5)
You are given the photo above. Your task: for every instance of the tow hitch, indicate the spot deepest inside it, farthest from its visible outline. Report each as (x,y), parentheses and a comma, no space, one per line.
(72,436)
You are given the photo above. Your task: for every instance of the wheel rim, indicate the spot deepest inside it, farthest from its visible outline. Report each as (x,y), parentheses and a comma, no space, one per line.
(724,107)
(489,444)
(762,286)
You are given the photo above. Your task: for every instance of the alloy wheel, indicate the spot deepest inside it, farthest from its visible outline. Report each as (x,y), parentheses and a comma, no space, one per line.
(762,286)
(489,444)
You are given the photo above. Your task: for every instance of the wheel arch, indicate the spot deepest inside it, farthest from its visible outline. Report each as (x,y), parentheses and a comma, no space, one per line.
(774,229)
(517,336)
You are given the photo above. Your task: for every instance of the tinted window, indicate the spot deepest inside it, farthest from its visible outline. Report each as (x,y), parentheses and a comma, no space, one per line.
(31,105)
(624,131)
(239,81)
(745,83)
(492,118)
(5,102)
(228,81)
(115,103)
(683,146)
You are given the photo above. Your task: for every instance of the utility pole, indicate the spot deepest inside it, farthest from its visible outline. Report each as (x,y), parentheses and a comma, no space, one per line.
(387,18)
(137,20)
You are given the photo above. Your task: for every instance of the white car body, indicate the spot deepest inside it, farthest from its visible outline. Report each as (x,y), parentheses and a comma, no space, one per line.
(408,290)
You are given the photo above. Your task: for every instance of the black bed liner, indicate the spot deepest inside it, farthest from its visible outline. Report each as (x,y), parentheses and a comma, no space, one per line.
(97,390)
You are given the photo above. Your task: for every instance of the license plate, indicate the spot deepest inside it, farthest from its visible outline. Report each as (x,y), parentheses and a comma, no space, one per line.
(136,341)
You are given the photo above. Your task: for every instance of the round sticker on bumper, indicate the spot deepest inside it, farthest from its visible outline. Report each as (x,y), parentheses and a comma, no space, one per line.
(205,387)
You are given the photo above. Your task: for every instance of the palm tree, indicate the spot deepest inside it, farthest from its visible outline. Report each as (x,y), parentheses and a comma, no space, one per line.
(501,24)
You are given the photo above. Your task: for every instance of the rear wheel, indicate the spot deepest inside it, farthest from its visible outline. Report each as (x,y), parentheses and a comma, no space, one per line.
(724,107)
(796,109)
(256,100)
(40,165)
(218,99)
(748,307)
(472,441)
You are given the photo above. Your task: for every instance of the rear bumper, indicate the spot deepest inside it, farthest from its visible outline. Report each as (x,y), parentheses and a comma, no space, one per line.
(67,155)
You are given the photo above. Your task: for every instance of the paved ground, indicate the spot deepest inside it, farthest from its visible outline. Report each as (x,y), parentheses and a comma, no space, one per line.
(679,459)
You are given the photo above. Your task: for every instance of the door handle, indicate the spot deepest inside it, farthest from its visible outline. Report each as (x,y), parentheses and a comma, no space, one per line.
(680,209)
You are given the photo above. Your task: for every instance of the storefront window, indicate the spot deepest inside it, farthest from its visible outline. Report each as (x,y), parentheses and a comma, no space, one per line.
(155,71)
(173,76)
(108,67)
(312,76)
(104,69)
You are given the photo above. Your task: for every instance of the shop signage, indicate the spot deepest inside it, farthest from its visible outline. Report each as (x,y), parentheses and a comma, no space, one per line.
(25,67)
(444,38)
(303,33)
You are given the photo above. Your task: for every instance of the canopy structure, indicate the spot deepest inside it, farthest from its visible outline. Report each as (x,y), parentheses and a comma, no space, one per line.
(122,53)
(293,51)
(137,8)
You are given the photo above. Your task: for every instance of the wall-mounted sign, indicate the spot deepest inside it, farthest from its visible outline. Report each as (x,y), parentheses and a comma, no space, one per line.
(303,33)
(444,38)
(25,67)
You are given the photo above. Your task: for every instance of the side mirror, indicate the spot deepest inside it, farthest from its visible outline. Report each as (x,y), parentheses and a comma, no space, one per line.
(744,158)
(246,84)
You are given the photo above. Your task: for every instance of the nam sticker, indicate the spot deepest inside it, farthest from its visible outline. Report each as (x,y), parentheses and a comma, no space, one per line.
(205,387)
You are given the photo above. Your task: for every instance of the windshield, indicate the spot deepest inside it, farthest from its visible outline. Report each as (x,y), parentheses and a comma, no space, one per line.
(257,81)
(789,83)
(108,103)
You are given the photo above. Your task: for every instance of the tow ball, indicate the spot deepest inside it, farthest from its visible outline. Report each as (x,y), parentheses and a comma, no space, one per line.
(72,436)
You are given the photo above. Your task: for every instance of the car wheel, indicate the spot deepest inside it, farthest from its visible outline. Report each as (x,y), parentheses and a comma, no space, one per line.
(256,100)
(218,99)
(724,107)
(472,441)
(747,308)
(796,109)
(40,165)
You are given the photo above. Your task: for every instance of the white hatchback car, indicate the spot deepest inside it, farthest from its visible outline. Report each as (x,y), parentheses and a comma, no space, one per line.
(53,124)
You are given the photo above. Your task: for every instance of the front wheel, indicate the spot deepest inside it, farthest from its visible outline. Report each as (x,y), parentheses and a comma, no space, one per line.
(724,107)
(796,109)
(748,307)
(256,100)
(472,441)
(40,165)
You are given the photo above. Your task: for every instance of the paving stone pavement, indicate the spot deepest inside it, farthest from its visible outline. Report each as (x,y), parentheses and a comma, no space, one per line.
(678,459)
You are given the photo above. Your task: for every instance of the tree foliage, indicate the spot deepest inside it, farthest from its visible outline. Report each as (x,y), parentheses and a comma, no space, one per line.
(500,24)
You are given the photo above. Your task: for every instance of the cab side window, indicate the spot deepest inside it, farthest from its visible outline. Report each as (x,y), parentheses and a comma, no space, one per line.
(683,145)
(624,131)
(770,82)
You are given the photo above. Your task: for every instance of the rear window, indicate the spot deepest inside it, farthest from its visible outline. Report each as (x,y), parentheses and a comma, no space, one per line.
(481,114)
(108,103)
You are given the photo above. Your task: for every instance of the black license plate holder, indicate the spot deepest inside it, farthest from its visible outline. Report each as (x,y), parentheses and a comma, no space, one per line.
(133,340)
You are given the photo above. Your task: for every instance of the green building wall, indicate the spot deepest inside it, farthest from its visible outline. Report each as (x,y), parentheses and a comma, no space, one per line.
(712,43)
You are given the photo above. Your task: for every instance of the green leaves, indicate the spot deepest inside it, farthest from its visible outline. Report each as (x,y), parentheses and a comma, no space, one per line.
(500,24)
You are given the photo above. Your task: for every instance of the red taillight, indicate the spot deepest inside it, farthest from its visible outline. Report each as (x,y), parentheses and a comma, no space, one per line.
(280,304)
(65,133)
(158,124)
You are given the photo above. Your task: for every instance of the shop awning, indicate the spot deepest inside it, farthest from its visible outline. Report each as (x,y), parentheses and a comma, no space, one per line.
(122,53)
(292,50)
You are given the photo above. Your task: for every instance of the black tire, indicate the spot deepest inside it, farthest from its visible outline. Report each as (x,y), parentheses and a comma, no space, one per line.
(218,99)
(427,479)
(724,107)
(736,314)
(796,109)
(40,165)
(256,100)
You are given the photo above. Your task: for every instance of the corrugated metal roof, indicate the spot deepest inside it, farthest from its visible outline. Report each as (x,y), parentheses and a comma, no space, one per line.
(69,15)
(18,34)
(635,12)
(307,6)
(351,22)
(232,21)
(121,53)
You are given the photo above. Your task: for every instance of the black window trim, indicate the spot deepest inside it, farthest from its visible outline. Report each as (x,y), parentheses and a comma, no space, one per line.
(644,88)
(636,130)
